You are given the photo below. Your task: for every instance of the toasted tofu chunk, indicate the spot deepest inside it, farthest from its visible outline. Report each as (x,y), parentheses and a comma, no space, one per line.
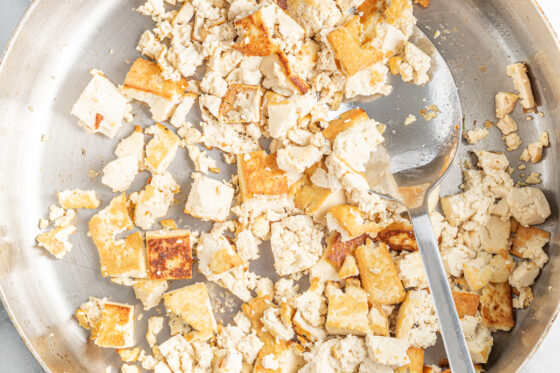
(494,237)
(378,274)
(518,73)
(145,82)
(296,244)
(496,306)
(502,265)
(353,55)
(347,311)
(528,243)
(161,150)
(192,304)
(399,236)
(416,356)
(475,135)
(346,121)
(465,303)
(119,258)
(348,220)
(416,320)
(56,241)
(338,250)
(378,321)
(255,38)
(241,104)
(209,199)
(349,268)
(273,323)
(101,106)
(169,255)
(388,350)
(150,292)
(78,199)
(523,275)
(259,174)
(316,201)
(111,324)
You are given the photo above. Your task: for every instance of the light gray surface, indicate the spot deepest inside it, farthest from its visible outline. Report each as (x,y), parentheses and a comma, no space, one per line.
(14,355)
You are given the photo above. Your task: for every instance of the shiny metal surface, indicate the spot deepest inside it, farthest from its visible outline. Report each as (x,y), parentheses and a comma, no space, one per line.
(46,67)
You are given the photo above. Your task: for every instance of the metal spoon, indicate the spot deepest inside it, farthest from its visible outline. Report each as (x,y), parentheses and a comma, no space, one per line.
(416,157)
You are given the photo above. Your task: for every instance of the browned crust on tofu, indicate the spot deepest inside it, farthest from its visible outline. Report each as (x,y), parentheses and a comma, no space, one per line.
(113,317)
(524,235)
(296,81)
(416,365)
(337,250)
(345,121)
(145,75)
(496,306)
(399,236)
(465,303)
(310,197)
(423,3)
(228,102)
(169,257)
(283,4)
(260,175)
(98,120)
(256,40)
(378,274)
(349,50)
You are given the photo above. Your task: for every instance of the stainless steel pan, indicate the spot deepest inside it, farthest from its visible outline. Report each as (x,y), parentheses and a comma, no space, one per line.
(45,69)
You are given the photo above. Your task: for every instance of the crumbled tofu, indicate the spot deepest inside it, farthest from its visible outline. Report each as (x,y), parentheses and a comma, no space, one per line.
(155,325)
(247,245)
(202,162)
(524,299)
(296,244)
(132,145)
(417,320)
(150,292)
(477,271)
(411,270)
(513,141)
(154,200)
(209,199)
(507,125)
(505,103)
(348,220)
(56,241)
(518,73)
(111,324)
(475,135)
(528,205)
(178,119)
(274,325)
(314,15)
(241,104)
(120,173)
(528,243)
(387,350)
(480,345)
(192,304)
(296,159)
(524,275)
(78,199)
(101,106)
(349,268)
(533,179)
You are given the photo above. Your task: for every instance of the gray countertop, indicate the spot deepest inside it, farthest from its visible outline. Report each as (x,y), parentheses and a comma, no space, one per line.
(15,356)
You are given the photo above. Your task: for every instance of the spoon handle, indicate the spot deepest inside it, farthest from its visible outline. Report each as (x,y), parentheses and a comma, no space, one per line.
(453,338)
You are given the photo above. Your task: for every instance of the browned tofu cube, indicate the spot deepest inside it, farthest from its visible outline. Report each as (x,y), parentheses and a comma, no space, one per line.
(378,274)
(169,255)
(465,303)
(259,174)
(496,306)
(399,236)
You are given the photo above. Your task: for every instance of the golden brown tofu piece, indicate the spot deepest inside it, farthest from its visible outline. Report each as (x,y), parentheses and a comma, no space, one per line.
(465,303)
(259,174)
(169,255)
(241,104)
(416,356)
(378,274)
(346,121)
(496,306)
(256,38)
(192,304)
(399,236)
(145,75)
(337,250)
